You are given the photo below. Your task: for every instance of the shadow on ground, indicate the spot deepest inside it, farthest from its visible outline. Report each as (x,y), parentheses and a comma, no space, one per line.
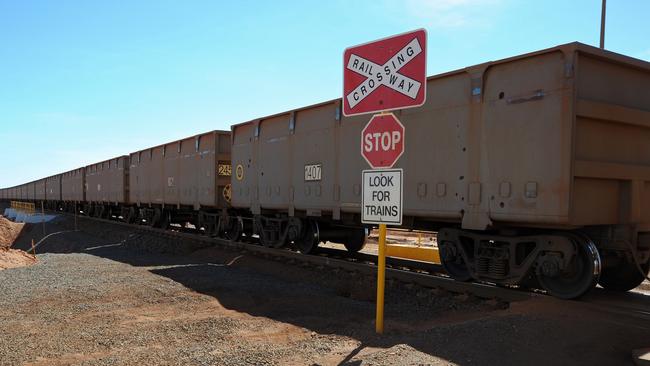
(454,328)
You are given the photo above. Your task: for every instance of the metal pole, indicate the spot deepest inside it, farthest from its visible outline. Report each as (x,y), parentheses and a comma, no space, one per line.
(602,25)
(381,279)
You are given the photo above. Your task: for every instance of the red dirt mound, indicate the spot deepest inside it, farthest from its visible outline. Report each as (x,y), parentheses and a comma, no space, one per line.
(9,231)
(12,258)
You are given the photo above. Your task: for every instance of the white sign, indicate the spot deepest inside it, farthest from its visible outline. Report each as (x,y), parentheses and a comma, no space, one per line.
(313,172)
(382,197)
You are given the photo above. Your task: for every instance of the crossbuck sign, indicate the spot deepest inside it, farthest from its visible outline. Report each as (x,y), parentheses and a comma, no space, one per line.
(386,74)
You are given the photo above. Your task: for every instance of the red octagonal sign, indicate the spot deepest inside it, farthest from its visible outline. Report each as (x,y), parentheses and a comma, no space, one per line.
(386,74)
(382,141)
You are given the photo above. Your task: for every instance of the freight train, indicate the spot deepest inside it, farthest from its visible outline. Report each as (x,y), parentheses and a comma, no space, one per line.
(533,170)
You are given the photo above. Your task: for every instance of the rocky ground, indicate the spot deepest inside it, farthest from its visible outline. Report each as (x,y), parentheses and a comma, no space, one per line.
(104,296)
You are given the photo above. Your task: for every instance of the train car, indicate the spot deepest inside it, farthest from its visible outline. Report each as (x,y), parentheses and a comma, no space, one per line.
(23,195)
(29,191)
(532,170)
(107,187)
(182,181)
(73,189)
(53,192)
(39,190)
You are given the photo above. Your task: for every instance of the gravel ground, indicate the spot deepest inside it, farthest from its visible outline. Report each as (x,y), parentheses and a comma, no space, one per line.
(109,298)
(88,310)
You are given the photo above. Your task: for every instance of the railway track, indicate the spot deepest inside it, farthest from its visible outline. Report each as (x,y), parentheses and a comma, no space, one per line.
(423,274)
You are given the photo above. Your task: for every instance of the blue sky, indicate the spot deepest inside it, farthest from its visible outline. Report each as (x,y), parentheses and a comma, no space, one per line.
(83,81)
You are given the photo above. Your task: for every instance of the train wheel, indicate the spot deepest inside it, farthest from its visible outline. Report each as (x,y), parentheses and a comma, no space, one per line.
(623,277)
(165,219)
(453,261)
(356,240)
(269,233)
(132,216)
(578,278)
(271,242)
(201,222)
(155,219)
(234,229)
(310,238)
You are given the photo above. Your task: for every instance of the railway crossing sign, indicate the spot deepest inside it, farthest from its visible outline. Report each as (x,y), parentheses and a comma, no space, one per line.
(386,74)
(382,197)
(378,77)
(382,141)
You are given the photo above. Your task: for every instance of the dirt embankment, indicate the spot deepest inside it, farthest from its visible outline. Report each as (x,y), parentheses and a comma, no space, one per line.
(12,258)
(9,231)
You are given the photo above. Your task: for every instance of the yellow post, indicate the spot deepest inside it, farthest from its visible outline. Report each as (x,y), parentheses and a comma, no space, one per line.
(33,248)
(381,279)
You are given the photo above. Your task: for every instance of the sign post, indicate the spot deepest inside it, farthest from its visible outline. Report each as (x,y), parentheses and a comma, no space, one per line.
(380,76)
(381,280)
(381,205)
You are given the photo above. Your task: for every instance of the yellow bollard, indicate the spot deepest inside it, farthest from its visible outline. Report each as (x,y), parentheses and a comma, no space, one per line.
(381,279)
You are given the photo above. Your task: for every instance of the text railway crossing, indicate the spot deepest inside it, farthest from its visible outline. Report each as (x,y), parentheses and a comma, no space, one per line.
(386,74)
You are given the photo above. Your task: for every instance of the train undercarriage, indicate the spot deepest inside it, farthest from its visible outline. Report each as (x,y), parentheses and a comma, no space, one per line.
(566,264)
(275,231)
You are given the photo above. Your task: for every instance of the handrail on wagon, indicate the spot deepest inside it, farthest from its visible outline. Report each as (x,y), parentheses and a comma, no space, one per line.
(25,207)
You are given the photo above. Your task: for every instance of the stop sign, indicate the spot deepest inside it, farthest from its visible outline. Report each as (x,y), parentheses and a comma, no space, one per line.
(382,141)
